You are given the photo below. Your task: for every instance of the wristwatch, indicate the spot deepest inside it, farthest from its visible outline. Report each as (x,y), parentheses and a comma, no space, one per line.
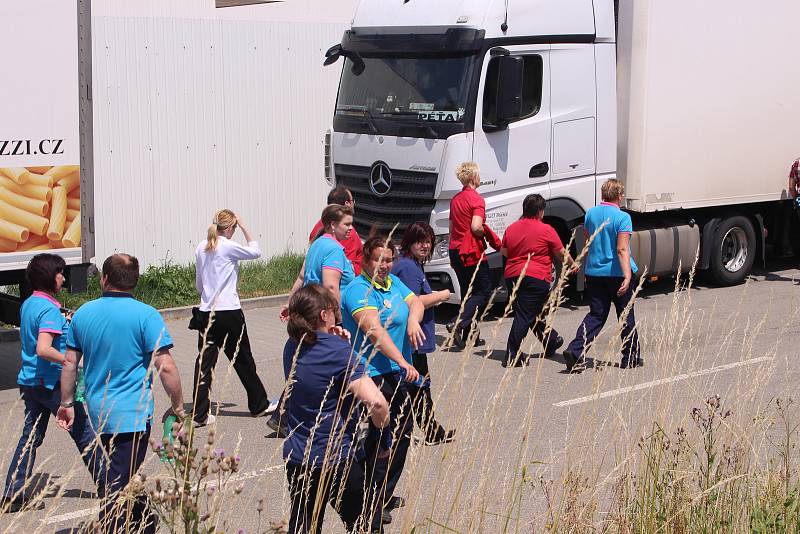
(69,404)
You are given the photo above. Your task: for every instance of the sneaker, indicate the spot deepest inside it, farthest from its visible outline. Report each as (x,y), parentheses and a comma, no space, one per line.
(281,431)
(210,420)
(269,410)
(395,502)
(437,437)
(625,364)
(551,349)
(459,341)
(518,362)
(449,326)
(573,365)
(386,516)
(19,504)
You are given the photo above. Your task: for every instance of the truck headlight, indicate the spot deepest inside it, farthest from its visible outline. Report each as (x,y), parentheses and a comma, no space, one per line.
(440,247)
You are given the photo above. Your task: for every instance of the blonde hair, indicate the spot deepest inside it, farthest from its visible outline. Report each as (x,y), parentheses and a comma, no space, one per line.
(612,190)
(223,220)
(467,171)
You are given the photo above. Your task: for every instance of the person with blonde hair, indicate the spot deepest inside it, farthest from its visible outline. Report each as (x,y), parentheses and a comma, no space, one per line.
(217,263)
(468,236)
(609,273)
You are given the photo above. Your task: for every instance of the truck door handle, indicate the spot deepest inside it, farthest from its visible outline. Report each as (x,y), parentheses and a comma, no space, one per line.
(537,171)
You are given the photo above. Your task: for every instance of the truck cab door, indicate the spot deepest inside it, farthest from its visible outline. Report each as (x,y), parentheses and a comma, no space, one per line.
(516,160)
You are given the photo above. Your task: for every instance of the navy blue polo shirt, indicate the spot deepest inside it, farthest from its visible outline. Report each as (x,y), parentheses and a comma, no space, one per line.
(118,336)
(411,273)
(319,409)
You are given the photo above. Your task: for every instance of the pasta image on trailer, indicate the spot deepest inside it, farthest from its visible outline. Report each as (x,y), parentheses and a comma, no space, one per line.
(40,208)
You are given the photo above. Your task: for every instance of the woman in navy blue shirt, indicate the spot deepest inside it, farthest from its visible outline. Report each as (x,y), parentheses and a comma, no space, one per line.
(415,250)
(325,381)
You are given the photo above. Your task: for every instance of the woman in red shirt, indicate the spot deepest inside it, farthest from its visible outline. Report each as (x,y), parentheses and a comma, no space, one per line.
(468,235)
(530,246)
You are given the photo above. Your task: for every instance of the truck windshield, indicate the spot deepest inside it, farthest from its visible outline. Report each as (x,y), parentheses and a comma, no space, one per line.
(426,90)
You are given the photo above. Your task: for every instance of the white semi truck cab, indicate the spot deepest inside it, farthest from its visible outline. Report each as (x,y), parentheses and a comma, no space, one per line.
(546,100)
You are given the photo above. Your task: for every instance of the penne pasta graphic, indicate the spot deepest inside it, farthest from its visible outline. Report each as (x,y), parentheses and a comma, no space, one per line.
(33,243)
(58,214)
(13,232)
(73,203)
(73,214)
(71,182)
(36,224)
(72,237)
(28,190)
(39,169)
(60,171)
(40,179)
(20,175)
(6,245)
(33,205)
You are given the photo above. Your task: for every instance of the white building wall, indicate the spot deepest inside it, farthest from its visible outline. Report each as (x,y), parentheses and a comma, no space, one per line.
(201,109)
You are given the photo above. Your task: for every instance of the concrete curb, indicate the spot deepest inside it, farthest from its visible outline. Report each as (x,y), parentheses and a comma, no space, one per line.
(185,312)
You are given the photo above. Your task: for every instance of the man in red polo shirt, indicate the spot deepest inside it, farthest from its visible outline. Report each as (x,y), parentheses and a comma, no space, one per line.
(468,234)
(352,245)
(531,247)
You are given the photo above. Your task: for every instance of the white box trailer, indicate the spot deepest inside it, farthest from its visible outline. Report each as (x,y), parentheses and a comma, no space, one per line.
(693,104)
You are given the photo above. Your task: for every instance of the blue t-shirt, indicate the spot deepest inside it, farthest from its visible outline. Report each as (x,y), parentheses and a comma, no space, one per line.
(40,313)
(413,276)
(602,258)
(118,336)
(319,410)
(390,301)
(327,253)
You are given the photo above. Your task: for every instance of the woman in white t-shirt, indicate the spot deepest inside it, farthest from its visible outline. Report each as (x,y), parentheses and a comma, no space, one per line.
(217,261)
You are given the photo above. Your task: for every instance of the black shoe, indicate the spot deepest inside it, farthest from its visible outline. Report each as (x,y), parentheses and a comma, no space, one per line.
(552,347)
(395,502)
(386,516)
(281,430)
(459,339)
(450,326)
(518,362)
(625,364)
(573,365)
(19,504)
(437,437)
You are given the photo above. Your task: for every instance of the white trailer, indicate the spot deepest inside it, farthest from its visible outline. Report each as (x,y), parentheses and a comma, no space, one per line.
(695,107)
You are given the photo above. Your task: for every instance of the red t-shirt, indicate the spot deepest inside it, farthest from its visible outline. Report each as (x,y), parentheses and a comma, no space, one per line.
(353,248)
(534,237)
(463,207)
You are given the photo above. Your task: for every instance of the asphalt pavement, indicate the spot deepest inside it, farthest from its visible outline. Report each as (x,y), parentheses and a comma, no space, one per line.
(520,432)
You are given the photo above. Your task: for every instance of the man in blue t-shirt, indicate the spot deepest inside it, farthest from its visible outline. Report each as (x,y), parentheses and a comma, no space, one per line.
(118,336)
(609,272)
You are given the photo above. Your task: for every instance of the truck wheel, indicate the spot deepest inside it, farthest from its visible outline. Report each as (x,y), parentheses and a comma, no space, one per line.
(733,251)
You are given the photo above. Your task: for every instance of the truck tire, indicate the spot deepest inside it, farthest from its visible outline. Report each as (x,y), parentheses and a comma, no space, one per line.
(733,251)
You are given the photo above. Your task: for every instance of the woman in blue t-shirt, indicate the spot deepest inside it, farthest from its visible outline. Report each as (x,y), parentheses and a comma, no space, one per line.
(325,379)
(43,342)
(415,250)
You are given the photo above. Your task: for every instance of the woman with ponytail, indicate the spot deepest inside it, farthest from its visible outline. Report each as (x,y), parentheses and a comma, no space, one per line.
(217,262)
(326,381)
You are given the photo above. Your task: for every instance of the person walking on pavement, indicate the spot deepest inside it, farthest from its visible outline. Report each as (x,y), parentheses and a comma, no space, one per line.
(43,333)
(352,242)
(468,235)
(531,246)
(118,338)
(327,381)
(415,250)
(383,317)
(609,274)
(221,323)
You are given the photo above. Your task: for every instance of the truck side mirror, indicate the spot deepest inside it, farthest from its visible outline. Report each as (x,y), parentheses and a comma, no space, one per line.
(509,88)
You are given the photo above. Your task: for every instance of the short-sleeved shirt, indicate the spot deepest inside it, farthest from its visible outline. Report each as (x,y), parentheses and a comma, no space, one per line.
(412,275)
(465,205)
(327,253)
(118,336)
(534,237)
(353,247)
(389,300)
(319,409)
(602,259)
(40,313)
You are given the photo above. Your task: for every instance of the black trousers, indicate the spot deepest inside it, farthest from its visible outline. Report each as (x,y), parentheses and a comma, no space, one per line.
(310,490)
(224,333)
(382,478)
(601,291)
(126,453)
(421,398)
(481,288)
(528,303)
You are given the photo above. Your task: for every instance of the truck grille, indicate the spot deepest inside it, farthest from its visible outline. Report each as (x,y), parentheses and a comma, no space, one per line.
(410,199)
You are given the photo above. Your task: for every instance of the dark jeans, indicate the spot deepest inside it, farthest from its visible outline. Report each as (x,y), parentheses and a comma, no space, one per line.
(422,401)
(528,303)
(40,404)
(382,478)
(342,486)
(481,288)
(601,292)
(224,333)
(126,452)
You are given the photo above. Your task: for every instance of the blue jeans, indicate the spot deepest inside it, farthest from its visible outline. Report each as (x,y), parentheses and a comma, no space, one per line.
(601,292)
(40,404)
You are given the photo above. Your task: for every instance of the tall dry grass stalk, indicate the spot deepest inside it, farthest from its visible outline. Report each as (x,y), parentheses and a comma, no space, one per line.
(689,454)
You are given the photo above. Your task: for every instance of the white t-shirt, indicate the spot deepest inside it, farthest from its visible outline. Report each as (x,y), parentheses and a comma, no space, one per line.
(218,272)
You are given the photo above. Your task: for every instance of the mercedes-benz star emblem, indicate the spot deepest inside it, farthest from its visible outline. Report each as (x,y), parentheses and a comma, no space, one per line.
(380,179)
